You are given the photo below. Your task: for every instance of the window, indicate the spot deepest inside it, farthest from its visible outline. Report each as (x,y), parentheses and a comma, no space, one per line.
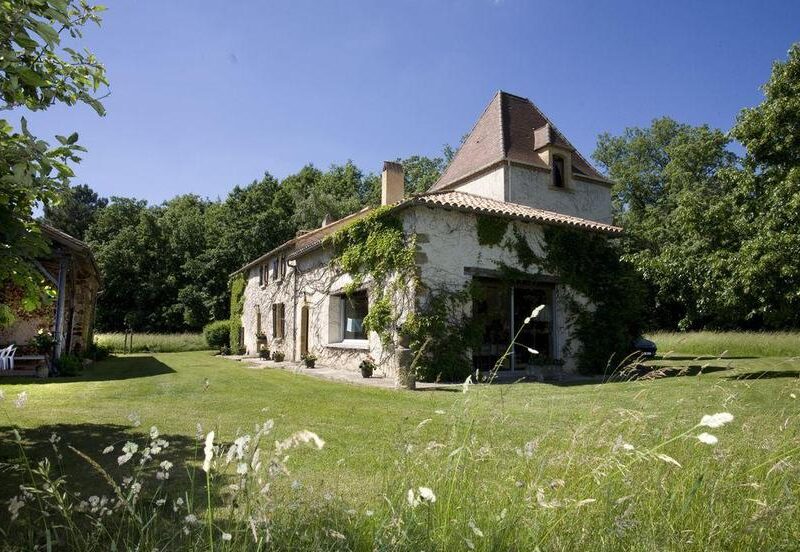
(354,310)
(258,320)
(278,270)
(261,275)
(278,320)
(558,171)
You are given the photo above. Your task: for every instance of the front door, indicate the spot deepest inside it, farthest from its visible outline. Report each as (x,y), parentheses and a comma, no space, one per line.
(536,334)
(304,330)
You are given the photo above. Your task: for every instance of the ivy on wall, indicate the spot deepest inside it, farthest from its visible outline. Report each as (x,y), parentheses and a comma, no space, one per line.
(491,230)
(376,246)
(237,284)
(590,264)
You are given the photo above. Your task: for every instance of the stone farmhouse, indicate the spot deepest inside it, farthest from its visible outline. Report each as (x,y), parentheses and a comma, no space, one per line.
(515,166)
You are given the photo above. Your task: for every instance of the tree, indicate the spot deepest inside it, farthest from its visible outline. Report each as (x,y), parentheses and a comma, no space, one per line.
(37,71)
(76,211)
(767,272)
(421,172)
(672,196)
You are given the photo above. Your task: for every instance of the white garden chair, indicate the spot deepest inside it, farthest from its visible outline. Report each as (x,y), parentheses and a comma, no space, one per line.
(7,357)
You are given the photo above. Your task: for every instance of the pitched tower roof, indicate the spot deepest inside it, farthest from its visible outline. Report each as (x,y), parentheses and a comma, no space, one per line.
(511,128)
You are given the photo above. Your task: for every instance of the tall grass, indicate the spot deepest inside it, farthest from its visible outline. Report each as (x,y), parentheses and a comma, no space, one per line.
(732,344)
(617,485)
(154,343)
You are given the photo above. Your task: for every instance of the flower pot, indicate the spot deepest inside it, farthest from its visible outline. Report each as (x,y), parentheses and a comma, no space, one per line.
(310,363)
(366,372)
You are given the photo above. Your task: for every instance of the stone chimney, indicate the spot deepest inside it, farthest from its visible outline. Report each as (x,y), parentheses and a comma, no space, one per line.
(392,183)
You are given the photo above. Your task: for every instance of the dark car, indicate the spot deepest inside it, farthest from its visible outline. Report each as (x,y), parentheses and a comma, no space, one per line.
(645,347)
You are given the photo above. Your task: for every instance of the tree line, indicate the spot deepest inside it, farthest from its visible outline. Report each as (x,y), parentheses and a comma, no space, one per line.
(166,267)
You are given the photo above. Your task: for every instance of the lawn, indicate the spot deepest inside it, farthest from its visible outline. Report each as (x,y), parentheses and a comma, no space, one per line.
(512,466)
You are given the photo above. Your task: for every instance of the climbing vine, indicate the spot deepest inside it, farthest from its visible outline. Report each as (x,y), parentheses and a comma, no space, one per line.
(237,285)
(491,230)
(589,264)
(376,246)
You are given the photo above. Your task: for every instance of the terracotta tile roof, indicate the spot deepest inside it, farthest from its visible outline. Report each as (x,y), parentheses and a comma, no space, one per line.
(460,201)
(477,204)
(506,132)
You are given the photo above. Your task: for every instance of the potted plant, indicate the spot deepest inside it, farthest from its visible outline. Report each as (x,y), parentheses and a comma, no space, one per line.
(263,353)
(278,356)
(367,367)
(310,359)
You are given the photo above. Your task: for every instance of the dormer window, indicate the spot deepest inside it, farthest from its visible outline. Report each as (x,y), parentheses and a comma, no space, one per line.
(559,176)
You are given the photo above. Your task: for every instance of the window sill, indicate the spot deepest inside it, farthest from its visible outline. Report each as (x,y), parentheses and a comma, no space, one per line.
(566,189)
(355,344)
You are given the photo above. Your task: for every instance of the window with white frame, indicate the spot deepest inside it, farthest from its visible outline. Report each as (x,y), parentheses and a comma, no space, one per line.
(346,317)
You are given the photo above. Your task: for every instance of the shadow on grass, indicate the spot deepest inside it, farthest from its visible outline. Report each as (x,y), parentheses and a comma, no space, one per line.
(112,368)
(701,357)
(766,374)
(648,371)
(90,439)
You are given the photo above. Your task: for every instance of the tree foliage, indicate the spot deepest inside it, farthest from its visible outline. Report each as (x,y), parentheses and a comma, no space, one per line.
(716,237)
(37,70)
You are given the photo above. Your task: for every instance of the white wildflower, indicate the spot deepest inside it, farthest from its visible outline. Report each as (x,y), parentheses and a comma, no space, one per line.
(792,395)
(166,465)
(134,418)
(136,488)
(466,384)
(241,469)
(123,458)
(54,438)
(108,449)
(2,395)
(534,313)
(14,505)
(191,519)
(540,500)
(438,412)
(296,485)
(369,513)
(716,420)
(475,529)
(161,501)
(422,494)
(470,544)
(668,459)
(297,438)
(707,438)
(21,399)
(209,452)
(628,446)
(226,536)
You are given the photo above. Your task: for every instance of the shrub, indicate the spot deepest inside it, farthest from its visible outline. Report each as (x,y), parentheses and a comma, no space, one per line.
(96,351)
(278,356)
(217,334)
(69,365)
(264,354)
(224,350)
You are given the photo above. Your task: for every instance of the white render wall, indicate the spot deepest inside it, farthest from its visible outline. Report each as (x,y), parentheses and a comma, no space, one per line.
(491,184)
(448,242)
(581,198)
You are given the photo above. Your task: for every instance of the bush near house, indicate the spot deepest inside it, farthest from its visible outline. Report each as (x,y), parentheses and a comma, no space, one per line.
(217,334)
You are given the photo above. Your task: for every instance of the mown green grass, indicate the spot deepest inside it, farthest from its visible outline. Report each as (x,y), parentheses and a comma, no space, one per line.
(729,344)
(153,343)
(515,461)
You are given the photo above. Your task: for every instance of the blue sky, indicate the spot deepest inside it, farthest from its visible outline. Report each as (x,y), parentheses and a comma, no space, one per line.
(206,95)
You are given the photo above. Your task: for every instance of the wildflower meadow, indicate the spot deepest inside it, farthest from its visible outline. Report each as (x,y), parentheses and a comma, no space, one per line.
(191,451)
